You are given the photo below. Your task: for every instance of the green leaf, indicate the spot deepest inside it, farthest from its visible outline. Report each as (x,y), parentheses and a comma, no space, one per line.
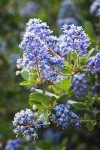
(63,98)
(33,102)
(45,114)
(83,60)
(65,85)
(33,70)
(90,102)
(39,97)
(80,106)
(54,98)
(90,99)
(25,75)
(86,116)
(67,70)
(91,52)
(25,83)
(90,126)
(38,104)
(89,29)
(64,70)
(32,78)
(74,55)
(39,112)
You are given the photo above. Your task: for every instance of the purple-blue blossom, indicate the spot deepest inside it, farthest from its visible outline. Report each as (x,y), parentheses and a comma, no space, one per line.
(13,144)
(27,123)
(38,50)
(80,85)
(95,8)
(76,39)
(94,64)
(64,116)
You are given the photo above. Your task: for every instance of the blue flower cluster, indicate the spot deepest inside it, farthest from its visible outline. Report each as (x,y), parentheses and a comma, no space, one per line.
(13,144)
(64,116)
(80,85)
(27,123)
(74,39)
(94,64)
(95,8)
(38,50)
(68,14)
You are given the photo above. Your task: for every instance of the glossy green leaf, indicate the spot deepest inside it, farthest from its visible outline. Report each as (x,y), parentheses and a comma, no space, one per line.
(67,72)
(25,75)
(25,83)
(45,113)
(90,102)
(39,97)
(86,116)
(38,104)
(91,52)
(65,85)
(31,78)
(63,98)
(74,55)
(90,126)
(33,102)
(83,60)
(80,106)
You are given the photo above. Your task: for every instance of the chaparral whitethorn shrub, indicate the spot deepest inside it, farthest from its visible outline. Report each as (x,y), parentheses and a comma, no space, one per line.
(64,76)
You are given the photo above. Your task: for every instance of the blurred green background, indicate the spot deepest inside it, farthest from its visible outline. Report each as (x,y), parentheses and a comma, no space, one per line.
(14,14)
